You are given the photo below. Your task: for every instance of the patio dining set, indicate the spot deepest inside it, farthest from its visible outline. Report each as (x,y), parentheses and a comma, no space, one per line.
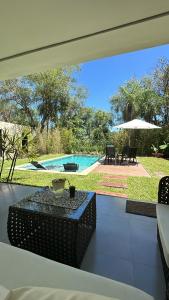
(127,155)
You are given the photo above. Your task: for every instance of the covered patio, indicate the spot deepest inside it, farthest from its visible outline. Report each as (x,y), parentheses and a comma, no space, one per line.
(124,246)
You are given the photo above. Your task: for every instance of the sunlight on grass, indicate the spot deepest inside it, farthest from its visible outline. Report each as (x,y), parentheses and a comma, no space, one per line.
(155,166)
(143,188)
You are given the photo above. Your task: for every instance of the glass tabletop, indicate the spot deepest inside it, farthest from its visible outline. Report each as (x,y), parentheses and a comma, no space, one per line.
(41,208)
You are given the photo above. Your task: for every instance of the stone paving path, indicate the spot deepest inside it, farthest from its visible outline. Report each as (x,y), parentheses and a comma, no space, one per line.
(115,177)
(115,184)
(119,183)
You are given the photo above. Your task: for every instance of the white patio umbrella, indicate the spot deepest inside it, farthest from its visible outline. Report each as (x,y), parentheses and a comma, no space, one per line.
(137,124)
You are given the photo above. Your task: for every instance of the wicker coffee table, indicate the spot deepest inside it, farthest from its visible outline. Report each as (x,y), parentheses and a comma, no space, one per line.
(57,233)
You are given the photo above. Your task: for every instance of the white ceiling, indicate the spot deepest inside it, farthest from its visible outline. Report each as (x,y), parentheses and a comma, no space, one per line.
(71,29)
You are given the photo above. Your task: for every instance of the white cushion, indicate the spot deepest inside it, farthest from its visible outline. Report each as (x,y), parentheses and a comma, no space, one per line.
(163,225)
(23,268)
(4,293)
(41,293)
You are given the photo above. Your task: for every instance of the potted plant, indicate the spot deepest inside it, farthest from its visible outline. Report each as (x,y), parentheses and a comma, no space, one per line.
(156,151)
(165,149)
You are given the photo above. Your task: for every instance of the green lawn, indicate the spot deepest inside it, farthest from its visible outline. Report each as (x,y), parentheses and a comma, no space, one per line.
(86,182)
(155,166)
(139,188)
(144,188)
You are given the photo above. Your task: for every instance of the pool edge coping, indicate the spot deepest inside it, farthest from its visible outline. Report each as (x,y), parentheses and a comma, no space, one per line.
(84,172)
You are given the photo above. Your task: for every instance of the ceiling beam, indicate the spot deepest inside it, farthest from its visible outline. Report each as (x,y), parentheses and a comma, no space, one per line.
(143,20)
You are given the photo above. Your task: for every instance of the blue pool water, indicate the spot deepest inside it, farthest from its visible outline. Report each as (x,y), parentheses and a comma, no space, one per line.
(56,164)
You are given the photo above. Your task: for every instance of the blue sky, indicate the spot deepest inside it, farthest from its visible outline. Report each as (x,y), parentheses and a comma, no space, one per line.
(102,77)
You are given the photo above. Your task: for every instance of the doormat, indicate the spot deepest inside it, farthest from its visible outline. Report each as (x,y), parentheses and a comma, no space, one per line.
(141,208)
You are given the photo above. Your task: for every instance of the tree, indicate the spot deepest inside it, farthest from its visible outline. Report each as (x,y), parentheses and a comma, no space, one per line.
(17,95)
(161,86)
(40,97)
(137,99)
(149,102)
(100,127)
(7,111)
(147,98)
(51,93)
(125,104)
(71,115)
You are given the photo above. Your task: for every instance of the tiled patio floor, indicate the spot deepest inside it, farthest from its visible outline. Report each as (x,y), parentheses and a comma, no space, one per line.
(126,170)
(124,246)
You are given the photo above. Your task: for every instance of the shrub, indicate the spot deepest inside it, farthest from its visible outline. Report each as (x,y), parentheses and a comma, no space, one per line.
(45,142)
(68,141)
(120,139)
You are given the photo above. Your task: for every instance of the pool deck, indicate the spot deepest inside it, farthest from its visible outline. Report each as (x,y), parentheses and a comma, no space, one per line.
(98,167)
(126,170)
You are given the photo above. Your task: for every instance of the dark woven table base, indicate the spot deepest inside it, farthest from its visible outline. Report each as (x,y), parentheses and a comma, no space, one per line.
(141,208)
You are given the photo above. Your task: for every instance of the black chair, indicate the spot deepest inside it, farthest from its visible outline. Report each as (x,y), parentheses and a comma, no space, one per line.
(132,152)
(38,165)
(163,190)
(72,167)
(124,154)
(163,198)
(41,167)
(110,153)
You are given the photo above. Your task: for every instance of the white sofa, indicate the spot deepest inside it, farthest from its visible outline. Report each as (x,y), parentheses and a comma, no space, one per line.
(22,268)
(163,229)
(162,210)
(163,239)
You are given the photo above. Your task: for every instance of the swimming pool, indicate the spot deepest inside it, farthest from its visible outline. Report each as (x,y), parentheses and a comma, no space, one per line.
(56,164)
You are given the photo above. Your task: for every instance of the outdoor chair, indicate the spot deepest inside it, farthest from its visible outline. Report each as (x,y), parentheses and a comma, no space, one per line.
(163,190)
(124,154)
(41,167)
(110,153)
(162,210)
(38,165)
(131,157)
(71,167)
